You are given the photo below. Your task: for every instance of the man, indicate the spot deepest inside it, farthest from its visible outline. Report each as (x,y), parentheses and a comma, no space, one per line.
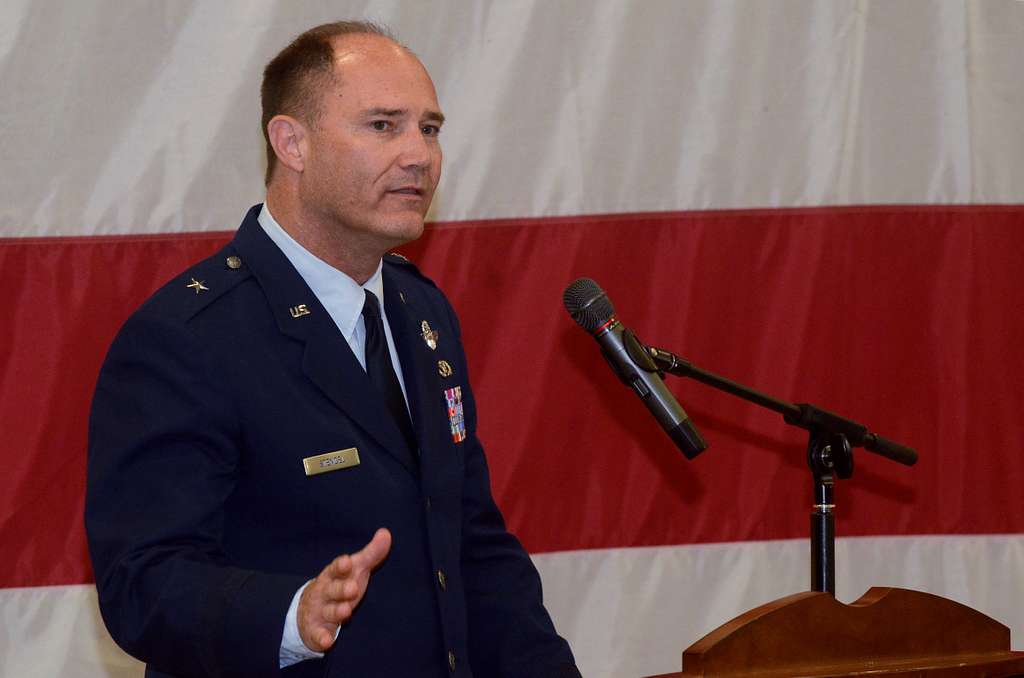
(284,473)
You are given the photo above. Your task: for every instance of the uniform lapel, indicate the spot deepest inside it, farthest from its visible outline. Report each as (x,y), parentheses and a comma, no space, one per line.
(327,361)
(418,362)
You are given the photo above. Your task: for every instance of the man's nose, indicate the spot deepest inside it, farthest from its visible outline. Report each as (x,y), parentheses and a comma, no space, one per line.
(417,151)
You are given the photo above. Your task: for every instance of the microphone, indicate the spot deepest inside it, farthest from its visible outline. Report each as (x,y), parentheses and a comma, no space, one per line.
(590,307)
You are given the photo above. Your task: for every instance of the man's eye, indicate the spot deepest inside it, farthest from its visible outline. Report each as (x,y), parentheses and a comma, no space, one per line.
(430,130)
(381,125)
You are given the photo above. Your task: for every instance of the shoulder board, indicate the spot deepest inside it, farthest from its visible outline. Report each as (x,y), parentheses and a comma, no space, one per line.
(396,258)
(406,266)
(199,286)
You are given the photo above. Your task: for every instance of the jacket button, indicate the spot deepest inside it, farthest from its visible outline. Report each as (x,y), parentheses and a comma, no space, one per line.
(428,503)
(442,580)
(451,661)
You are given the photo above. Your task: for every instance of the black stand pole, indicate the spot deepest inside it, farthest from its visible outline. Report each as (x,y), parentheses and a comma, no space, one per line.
(829,455)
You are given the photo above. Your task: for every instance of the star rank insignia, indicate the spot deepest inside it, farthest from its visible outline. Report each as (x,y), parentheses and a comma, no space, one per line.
(429,335)
(198,286)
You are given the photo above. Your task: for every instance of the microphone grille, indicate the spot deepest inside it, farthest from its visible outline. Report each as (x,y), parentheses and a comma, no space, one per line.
(587,303)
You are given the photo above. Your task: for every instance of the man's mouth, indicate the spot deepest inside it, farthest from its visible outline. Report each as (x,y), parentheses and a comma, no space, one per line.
(407,190)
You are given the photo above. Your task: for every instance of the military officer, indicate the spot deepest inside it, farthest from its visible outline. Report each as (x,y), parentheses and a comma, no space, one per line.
(284,474)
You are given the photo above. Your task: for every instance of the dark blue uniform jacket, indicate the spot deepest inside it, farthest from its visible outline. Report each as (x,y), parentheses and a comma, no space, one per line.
(203,523)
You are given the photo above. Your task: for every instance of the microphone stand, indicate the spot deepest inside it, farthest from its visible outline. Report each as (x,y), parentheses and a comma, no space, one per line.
(830,446)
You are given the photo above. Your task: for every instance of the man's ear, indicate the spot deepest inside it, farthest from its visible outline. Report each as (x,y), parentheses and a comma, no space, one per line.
(289,138)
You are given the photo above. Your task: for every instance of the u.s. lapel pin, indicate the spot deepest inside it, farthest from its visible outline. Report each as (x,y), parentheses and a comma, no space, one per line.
(429,335)
(299,311)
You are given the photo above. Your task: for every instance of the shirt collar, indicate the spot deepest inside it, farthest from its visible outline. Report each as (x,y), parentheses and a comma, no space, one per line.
(340,295)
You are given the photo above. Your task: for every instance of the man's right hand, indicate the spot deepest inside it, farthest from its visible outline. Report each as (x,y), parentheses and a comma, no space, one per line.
(329,600)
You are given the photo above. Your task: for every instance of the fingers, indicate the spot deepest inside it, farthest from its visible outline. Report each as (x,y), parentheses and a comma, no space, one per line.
(359,563)
(340,568)
(374,553)
(316,619)
(323,639)
(341,589)
(330,599)
(318,628)
(337,613)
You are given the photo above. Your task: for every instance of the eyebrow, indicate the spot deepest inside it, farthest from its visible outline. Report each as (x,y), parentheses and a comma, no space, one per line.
(435,116)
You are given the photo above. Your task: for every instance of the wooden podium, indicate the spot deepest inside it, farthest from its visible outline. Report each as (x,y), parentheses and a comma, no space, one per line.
(887,632)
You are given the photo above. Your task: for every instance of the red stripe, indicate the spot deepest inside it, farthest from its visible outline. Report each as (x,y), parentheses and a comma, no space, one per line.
(906,318)
(756,214)
(65,300)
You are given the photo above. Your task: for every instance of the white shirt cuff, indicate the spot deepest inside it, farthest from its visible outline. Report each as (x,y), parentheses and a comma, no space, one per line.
(293,650)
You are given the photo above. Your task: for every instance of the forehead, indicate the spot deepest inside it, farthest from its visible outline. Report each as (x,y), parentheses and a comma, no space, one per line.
(372,71)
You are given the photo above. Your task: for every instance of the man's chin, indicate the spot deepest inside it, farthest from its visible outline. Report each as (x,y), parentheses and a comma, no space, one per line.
(404,230)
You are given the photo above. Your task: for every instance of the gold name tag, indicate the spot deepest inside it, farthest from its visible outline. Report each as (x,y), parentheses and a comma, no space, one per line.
(331,461)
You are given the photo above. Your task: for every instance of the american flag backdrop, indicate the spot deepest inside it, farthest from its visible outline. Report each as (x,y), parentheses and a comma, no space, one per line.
(824,200)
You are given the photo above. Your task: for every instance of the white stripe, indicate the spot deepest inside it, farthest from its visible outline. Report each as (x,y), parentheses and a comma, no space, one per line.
(632,612)
(57,631)
(554,108)
(625,612)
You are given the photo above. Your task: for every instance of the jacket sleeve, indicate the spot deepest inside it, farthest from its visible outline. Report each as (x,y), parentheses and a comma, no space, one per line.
(164,454)
(510,632)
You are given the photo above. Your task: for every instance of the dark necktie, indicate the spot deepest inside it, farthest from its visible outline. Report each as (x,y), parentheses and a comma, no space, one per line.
(381,371)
